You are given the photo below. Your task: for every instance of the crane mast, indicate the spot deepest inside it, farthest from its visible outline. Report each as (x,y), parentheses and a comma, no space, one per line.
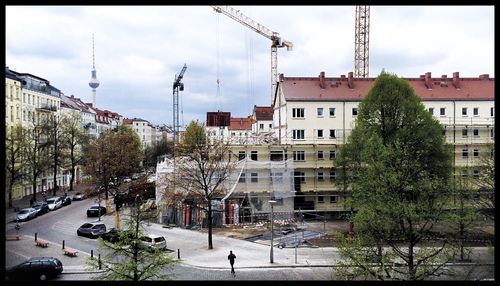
(361,41)
(178,85)
(276,41)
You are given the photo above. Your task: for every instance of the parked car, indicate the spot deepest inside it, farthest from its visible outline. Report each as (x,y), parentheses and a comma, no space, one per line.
(153,241)
(65,201)
(36,268)
(41,208)
(113,235)
(79,196)
(95,209)
(26,214)
(91,229)
(54,203)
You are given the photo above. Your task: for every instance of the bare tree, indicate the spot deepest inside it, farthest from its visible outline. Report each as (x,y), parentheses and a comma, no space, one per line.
(13,158)
(203,169)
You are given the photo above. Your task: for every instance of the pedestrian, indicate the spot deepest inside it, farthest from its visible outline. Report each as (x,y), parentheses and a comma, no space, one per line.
(231,258)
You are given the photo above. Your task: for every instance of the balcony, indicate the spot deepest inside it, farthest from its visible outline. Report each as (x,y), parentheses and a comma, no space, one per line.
(47,108)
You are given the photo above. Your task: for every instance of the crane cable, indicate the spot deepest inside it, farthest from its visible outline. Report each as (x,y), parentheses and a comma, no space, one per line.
(217,41)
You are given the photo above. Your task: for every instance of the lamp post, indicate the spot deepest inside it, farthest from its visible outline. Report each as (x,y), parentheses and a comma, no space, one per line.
(272,202)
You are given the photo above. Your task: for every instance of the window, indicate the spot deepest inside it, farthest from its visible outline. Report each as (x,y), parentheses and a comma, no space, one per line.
(242,178)
(320,155)
(465,153)
(492,111)
(277,177)
(334,199)
(299,155)
(332,112)
(464,132)
(464,173)
(475,131)
(475,111)
(241,155)
(300,176)
(321,199)
(233,134)
(297,112)
(354,111)
(254,178)
(332,133)
(476,153)
(270,126)
(319,112)
(492,132)
(253,155)
(431,110)
(276,156)
(298,134)
(442,111)
(464,111)
(321,176)
(261,126)
(12,113)
(333,175)
(333,154)
(476,173)
(320,133)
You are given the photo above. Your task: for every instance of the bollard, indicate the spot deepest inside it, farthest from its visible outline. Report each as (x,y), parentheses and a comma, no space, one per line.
(91,254)
(178,253)
(35,236)
(63,244)
(99,261)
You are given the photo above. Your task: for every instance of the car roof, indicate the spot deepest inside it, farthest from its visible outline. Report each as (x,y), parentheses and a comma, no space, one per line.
(152,235)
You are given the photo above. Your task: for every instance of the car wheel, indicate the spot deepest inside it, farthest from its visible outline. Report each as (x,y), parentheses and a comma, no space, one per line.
(43,277)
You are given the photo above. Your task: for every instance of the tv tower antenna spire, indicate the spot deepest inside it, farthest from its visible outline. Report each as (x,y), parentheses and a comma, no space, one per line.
(94,83)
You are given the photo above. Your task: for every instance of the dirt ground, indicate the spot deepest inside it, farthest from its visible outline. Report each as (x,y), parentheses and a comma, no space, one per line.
(480,236)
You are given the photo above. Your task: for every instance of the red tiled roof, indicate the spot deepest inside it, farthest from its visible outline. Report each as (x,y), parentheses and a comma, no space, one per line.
(240,123)
(263,112)
(127,121)
(336,89)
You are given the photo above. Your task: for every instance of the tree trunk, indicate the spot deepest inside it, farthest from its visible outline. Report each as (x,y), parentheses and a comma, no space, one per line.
(210,245)
(10,195)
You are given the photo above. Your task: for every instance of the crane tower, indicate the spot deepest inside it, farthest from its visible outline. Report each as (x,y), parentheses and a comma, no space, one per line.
(178,85)
(361,41)
(276,41)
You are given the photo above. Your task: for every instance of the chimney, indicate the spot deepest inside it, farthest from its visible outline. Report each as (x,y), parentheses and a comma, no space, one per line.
(322,80)
(484,76)
(444,77)
(456,80)
(428,80)
(350,80)
(342,77)
(282,77)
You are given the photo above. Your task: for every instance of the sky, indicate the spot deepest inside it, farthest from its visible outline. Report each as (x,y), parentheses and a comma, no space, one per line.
(139,51)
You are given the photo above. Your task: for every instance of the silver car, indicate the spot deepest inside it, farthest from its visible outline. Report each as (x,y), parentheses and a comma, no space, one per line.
(54,203)
(26,214)
(153,241)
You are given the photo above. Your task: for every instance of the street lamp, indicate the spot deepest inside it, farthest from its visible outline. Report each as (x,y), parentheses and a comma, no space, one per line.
(272,202)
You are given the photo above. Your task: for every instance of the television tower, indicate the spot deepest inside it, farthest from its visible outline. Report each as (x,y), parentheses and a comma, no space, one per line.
(94,83)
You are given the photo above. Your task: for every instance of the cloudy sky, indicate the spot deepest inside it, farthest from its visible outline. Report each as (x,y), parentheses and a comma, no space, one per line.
(140,49)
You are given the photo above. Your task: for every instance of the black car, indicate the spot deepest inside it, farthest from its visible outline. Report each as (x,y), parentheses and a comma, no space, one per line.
(114,235)
(66,201)
(95,209)
(91,229)
(36,268)
(41,208)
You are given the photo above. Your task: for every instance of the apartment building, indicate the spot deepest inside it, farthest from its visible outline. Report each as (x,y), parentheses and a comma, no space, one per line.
(145,130)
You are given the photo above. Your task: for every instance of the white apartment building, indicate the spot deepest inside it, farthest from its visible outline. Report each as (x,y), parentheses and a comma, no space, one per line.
(145,130)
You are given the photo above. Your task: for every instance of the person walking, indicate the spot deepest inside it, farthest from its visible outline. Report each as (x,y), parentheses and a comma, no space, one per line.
(231,258)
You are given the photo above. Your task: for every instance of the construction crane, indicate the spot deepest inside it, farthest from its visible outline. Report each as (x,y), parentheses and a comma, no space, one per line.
(178,85)
(361,41)
(276,41)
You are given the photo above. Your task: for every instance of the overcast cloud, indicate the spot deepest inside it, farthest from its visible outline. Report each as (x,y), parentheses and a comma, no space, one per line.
(140,49)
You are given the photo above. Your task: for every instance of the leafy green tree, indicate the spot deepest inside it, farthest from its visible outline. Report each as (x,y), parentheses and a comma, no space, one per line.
(113,156)
(485,183)
(126,259)
(202,170)
(35,152)
(13,158)
(74,143)
(397,165)
(151,153)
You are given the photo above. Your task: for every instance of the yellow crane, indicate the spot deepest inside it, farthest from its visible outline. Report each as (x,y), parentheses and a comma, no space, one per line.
(276,41)
(362,41)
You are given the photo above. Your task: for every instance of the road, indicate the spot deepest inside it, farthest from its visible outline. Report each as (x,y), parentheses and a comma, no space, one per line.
(62,224)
